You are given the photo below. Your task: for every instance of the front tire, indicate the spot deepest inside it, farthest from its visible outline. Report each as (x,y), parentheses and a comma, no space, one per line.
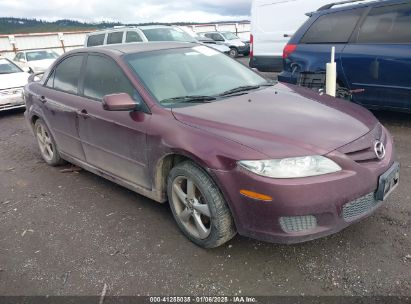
(47,144)
(233,52)
(198,206)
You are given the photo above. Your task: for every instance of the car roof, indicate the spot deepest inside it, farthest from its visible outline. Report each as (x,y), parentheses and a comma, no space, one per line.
(122,28)
(359,4)
(132,48)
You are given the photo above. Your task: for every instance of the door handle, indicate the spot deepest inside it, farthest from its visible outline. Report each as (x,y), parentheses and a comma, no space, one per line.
(42,99)
(83,113)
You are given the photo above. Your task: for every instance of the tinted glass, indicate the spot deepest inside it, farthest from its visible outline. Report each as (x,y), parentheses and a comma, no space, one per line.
(6,67)
(133,37)
(116,37)
(95,40)
(67,74)
(167,34)
(333,28)
(175,73)
(103,77)
(390,24)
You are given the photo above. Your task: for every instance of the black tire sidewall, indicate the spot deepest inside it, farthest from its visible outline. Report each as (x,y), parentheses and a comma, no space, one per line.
(214,200)
(233,49)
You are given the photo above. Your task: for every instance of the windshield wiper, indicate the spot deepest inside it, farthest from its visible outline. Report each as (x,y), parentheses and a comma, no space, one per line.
(239,90)
(193,98)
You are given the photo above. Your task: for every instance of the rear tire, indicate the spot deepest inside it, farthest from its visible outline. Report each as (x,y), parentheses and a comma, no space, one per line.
(198,206)
(47,144)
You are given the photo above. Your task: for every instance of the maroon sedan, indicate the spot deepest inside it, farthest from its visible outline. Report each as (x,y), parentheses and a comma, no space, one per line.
(230,151)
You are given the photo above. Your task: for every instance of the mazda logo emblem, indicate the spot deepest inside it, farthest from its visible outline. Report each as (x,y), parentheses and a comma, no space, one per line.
(379,149)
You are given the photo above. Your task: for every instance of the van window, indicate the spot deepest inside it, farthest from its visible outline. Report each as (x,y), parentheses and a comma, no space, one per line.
(116,37)
(95,40)
(333,28)
(103,76)
(67,75)
(133,36)
(389,24)
(167,34)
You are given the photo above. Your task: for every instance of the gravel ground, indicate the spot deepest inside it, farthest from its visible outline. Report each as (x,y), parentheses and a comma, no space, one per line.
(71,233)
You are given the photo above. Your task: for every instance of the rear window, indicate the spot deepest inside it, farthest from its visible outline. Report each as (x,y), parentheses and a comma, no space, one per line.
(95,40)
(133,37)
(389,24)
(167,34)
(116,37)
(333,28)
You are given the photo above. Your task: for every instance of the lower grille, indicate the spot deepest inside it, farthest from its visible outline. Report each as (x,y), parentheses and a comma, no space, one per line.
(298,223)
(359,207)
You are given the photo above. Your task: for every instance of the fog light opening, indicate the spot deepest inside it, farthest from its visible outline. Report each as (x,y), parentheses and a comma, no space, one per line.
(298,223)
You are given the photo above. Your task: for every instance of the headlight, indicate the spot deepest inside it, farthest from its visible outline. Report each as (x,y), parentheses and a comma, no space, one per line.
(291,167)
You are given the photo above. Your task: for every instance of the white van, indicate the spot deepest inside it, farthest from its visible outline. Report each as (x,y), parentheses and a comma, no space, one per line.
(273,22)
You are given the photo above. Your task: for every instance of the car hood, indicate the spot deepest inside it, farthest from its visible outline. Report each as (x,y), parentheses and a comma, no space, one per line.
(282,121)
(41,64)
(14,80)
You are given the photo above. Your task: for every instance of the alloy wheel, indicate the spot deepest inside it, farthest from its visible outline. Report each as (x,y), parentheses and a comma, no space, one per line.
(45,142)
(191,208)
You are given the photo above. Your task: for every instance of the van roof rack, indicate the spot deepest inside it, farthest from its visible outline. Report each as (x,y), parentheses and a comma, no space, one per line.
(328,6)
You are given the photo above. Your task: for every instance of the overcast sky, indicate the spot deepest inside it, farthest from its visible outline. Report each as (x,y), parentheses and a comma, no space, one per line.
(128,11)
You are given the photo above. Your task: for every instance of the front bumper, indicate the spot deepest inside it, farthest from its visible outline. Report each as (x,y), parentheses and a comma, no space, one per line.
(244,50)
(319,206)
(11,99)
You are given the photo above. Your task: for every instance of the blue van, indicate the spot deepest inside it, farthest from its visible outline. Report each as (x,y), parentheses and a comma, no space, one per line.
(373,52)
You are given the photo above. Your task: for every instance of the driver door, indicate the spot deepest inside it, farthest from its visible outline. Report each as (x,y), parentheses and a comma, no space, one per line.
(114,142)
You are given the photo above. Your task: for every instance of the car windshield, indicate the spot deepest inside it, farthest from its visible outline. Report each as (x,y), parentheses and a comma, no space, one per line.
(230,36)
(41,55)
(6,67)
(167,34)
(197,74)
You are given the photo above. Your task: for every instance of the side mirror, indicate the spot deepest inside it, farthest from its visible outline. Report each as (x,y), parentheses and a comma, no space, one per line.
(119,102)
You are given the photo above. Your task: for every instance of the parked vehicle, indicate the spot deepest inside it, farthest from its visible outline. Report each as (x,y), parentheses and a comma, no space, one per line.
(373,52)
(35,60)
(12,81)
(212,44)
(229,150)
(137,34)
(237,47)
(273,22)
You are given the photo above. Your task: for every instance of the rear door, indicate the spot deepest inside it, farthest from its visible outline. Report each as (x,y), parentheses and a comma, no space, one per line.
(113,141)
(60,98)
(380,59)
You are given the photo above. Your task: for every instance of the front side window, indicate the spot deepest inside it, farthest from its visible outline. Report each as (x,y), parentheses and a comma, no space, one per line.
(116,37)
(6,67)
(95,40)
(41,55)
(103,77)
(170,74)
(167,34)
(389,24)
(133,36)
(333,28)
(67,74)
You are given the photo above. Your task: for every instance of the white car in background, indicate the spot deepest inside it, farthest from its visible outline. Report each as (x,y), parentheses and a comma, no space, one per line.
(36,61)
(12,81)
(273,23)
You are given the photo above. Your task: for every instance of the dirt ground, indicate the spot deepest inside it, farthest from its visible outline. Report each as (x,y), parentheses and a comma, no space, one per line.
(71,233)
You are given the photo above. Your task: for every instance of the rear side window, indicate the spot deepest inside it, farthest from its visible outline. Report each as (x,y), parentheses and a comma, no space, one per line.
(333,28)
(95,40)
(66,76)
(113,38)
(389,24)
(104,77)
(132,36)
